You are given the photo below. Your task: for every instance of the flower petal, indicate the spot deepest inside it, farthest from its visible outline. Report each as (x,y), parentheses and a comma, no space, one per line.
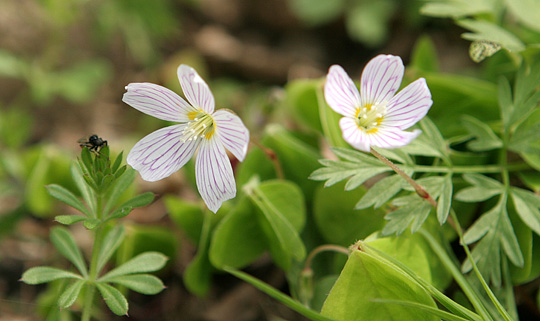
(195,89)
(161,153)
(385,138)
(232,133)
(157,101)
(381,79)
(353,134)
(340,92)
(214,174)
(409,106)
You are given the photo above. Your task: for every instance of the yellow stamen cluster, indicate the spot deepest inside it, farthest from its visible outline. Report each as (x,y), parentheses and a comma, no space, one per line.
(369,117)
(200,125)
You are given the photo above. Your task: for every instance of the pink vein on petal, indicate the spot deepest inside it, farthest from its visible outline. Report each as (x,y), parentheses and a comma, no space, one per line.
(381,79)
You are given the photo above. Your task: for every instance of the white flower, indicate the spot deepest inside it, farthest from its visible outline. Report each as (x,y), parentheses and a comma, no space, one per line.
(166,150)
(374,116)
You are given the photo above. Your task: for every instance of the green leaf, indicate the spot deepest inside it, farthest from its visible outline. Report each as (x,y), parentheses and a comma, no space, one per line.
(67,197)
(382,191)
(301,97)
(145,262)
(297,158)
(367,277)
(527,206)
(137,201)
(282,210)
(457,8)
(424,56)
(483,188)
(485,137)
(527,11)
(91,223)
(198,273)
(288,301)
(86,191)
(142,283)
(70,295)
(115,300)
(186,215)
(444,203)
(120,186)
(44,274)
(338,221)
(357,166)
(237,240)
(495,232)
(65,244)
(506,104)
(434,137)
(414,213)
(484,30)
(117,162)
(111,242)
(69,219)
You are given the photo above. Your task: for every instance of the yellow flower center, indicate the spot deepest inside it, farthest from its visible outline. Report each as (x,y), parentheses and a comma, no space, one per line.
(369,117)
(200,125)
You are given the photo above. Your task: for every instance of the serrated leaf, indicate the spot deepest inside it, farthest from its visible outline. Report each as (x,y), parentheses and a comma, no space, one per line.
(111,242)
(142,283)
(483,188)
(484,30)
(485,137)
(67,197)
(44,274)
(495,232)
(444,203)
(70,295)
(527,206)
(381,192)
(115,300)
(357,166)
(69,219)
(414,213)
(145,262)
(65,244)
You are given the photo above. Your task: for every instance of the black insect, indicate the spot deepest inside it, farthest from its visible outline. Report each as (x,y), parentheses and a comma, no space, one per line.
(94,143)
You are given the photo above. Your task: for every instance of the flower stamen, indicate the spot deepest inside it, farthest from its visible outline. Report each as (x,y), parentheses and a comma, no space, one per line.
(370,116)
(201,125)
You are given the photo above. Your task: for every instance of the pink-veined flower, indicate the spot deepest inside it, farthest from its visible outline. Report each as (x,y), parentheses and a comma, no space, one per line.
(166,150)
(375,116)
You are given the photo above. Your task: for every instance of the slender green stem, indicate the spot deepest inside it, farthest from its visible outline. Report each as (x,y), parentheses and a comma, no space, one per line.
(323,248)
(469,169)
(93,273)
(456,273)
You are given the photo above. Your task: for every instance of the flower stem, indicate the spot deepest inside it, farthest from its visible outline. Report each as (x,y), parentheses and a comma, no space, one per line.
(419,189)
(272,156)
(323,248)
(470,169)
